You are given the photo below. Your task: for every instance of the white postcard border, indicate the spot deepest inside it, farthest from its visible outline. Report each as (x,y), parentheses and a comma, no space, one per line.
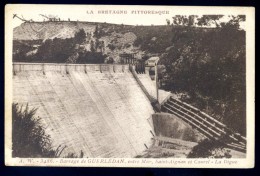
(248,162)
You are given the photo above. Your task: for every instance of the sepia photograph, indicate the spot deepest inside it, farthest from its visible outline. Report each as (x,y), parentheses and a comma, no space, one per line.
(129,86)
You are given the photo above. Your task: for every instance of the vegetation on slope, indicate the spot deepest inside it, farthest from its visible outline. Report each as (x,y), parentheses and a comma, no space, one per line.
(28,136)
(209,67)
(209,149)
(57,50)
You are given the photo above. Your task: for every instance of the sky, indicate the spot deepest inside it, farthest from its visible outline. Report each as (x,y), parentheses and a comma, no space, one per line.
(132,15)
(92,14)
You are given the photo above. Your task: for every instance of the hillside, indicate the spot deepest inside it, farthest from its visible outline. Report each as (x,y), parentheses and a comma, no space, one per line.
(141,40)
(105,37)
(49,30)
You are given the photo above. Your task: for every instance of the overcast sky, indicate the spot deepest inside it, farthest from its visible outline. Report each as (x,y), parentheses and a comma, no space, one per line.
(85,14)
(133,15)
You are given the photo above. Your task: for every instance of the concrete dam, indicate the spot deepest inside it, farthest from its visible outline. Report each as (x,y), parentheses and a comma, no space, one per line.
(97,109)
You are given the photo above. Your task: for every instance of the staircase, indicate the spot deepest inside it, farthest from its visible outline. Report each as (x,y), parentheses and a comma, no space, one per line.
(205,124)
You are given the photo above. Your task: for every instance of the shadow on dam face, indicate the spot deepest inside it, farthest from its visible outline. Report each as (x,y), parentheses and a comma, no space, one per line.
(170,126)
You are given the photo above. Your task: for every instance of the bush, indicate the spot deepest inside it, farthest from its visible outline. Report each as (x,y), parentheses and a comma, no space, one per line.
(110,60)
(91,58)
(209,149)
(111,47)
(28,135)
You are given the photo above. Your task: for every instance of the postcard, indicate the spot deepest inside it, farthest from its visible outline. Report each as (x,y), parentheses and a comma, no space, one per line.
(129,86)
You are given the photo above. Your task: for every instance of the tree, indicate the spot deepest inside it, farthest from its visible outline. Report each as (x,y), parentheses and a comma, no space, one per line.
(168,22)
(184,20)
(111,46)
(180,20)
(96,32)
(44,52)
(234,22)
(207,20)
(80,36)
(92,46)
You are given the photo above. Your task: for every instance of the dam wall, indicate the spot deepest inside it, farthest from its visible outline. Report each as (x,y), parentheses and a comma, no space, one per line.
(66,68)
(148,85)
(97,109)
(170,126)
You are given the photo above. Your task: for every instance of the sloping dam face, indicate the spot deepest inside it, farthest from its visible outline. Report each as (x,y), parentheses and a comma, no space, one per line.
(99,109)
